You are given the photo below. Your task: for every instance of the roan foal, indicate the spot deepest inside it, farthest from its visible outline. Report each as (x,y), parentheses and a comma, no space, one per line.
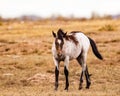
(70,46)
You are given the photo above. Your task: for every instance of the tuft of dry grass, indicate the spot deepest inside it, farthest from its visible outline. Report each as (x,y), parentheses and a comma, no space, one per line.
(107,28)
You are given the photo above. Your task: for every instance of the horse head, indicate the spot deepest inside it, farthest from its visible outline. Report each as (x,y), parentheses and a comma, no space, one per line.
(59,42)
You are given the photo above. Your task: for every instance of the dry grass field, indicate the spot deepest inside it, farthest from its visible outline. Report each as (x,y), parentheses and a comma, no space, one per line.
(27,68)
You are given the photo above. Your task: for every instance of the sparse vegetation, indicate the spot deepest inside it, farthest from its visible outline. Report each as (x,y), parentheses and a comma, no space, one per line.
(27,68)
(107,28)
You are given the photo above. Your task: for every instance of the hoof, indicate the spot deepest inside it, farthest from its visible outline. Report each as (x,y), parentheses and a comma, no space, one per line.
(66,89)
(55,89)
(80,88)
(88,85)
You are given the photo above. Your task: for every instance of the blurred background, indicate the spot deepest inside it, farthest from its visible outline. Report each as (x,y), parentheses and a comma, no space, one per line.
(54,9)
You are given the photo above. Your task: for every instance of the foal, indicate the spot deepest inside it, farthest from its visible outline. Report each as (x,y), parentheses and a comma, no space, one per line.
(75,45)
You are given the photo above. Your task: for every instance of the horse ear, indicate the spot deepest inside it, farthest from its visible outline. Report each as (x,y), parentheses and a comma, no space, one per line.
(54,35)
(65,34)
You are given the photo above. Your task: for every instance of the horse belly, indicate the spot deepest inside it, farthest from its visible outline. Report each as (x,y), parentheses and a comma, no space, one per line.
(75,53)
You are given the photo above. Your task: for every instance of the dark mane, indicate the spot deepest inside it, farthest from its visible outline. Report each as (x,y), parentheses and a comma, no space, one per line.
(60,31)
(59,34)
(71,37)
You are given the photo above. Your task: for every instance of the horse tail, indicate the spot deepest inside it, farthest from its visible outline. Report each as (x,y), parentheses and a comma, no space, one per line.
(94,49)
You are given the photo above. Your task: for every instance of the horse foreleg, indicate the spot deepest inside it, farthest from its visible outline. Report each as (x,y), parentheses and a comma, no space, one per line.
(66,76)
(66,72)
(56,78)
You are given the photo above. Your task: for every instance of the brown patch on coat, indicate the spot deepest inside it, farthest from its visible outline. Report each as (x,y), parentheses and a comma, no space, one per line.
(71,37)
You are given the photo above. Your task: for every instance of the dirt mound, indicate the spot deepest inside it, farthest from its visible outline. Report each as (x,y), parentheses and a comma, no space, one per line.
(39,78)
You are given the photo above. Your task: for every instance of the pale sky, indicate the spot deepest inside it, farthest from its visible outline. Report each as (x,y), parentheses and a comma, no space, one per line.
(46,8)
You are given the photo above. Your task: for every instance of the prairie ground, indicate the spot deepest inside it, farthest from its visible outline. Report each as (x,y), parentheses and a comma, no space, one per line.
(27,68)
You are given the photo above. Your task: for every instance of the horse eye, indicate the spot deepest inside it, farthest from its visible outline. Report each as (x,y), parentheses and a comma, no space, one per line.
(56,43)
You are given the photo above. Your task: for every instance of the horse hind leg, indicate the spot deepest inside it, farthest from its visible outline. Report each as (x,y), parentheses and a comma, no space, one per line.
(81,76)
(82,61)
(81,81)
(87,75)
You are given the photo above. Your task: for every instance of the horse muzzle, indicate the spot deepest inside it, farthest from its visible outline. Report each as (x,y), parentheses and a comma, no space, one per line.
(59,55)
